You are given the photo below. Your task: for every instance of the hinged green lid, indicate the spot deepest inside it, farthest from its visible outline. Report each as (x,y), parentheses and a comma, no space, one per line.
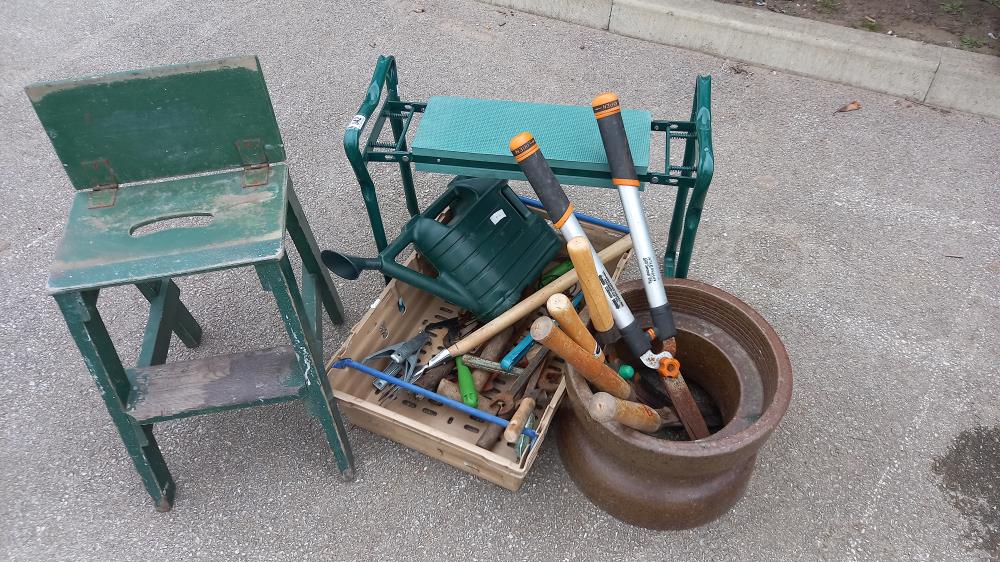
(160,122)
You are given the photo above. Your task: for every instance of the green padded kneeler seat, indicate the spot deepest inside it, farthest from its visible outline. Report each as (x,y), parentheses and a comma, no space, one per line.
(469,136)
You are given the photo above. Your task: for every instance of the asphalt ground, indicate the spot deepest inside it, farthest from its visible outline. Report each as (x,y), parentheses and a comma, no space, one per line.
(868,239)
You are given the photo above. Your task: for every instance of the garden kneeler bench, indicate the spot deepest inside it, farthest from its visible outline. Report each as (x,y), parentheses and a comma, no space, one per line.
(197,142)
(470,137)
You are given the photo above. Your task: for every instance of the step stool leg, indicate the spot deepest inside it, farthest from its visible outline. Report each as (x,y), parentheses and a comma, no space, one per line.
(278,278)
(305,243)
(162,318)
(184,325)
(101,358)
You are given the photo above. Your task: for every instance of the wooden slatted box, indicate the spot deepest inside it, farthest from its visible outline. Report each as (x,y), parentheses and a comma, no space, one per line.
(439,431)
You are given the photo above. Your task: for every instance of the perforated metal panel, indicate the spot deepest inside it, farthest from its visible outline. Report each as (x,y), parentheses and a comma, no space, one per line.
(467,132)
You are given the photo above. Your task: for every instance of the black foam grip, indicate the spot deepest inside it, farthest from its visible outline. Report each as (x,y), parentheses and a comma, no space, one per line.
(545,184)
(635,338)
(616,147)
(663,321)
(607,339)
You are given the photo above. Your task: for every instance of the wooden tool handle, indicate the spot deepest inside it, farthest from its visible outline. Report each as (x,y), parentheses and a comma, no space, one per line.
(537,299)
(544,331)
(496,346)
(489,437)
(449,389)
(597,302)
(604,408)
(517,421)
(561,308)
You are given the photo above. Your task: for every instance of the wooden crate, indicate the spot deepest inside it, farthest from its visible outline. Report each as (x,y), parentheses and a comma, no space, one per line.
(438,431)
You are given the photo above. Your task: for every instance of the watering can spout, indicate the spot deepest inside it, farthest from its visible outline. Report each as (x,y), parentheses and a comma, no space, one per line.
(348,267)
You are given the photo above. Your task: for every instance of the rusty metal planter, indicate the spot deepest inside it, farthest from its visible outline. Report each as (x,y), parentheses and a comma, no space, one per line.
(733,353)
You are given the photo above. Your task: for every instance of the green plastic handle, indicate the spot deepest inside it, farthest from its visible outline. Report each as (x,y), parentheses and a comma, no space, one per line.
(556,272)
(626,372)
(466,385)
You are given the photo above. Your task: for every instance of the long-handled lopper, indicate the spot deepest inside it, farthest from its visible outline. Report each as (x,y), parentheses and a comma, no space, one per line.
(543,181)
(609,122)
(623,176)
(529,157)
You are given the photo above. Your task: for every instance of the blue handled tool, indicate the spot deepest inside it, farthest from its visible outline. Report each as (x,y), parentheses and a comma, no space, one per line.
(478,414)
(522,347)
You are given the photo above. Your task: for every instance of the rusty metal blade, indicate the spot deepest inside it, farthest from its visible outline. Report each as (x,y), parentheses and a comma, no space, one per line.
(685,406)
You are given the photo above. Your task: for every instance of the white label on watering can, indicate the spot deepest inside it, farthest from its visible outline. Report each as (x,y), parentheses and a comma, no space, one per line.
(498,216)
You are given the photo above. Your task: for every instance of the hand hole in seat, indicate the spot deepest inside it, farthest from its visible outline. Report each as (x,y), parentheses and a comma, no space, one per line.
(187,220)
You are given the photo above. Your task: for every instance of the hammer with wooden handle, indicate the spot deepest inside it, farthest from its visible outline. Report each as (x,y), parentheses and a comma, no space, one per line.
(562,310)
(520,417)
(604,407)
(545,332)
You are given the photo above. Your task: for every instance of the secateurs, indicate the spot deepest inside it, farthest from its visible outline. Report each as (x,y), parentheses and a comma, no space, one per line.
(402,357)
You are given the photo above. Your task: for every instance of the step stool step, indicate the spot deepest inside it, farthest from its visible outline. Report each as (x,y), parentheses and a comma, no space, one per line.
(223,382)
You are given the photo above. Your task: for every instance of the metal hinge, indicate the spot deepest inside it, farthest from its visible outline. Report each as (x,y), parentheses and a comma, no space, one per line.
(103,183)
(254,159)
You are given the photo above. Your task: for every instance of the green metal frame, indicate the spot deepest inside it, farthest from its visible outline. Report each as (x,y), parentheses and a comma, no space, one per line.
(691,178)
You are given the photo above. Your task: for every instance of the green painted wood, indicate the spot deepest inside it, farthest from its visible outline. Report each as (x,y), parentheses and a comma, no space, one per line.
(302,236)
(467,132)
(318,396)
(313,343)
(160,122)
(313,304)
(247,227)
(224,382)
(185,326)
(159,325)
(102,360)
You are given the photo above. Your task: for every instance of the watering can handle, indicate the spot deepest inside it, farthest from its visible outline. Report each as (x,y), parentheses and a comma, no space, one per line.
(410,276)
(394,269)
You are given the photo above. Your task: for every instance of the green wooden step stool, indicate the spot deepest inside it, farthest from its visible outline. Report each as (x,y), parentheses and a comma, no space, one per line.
(470,136)
(197,142)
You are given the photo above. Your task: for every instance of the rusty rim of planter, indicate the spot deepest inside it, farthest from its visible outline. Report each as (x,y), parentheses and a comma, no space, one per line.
(759,430)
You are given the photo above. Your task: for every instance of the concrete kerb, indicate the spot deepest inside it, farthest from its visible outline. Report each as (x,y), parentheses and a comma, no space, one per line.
(589,13)
(926,73)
